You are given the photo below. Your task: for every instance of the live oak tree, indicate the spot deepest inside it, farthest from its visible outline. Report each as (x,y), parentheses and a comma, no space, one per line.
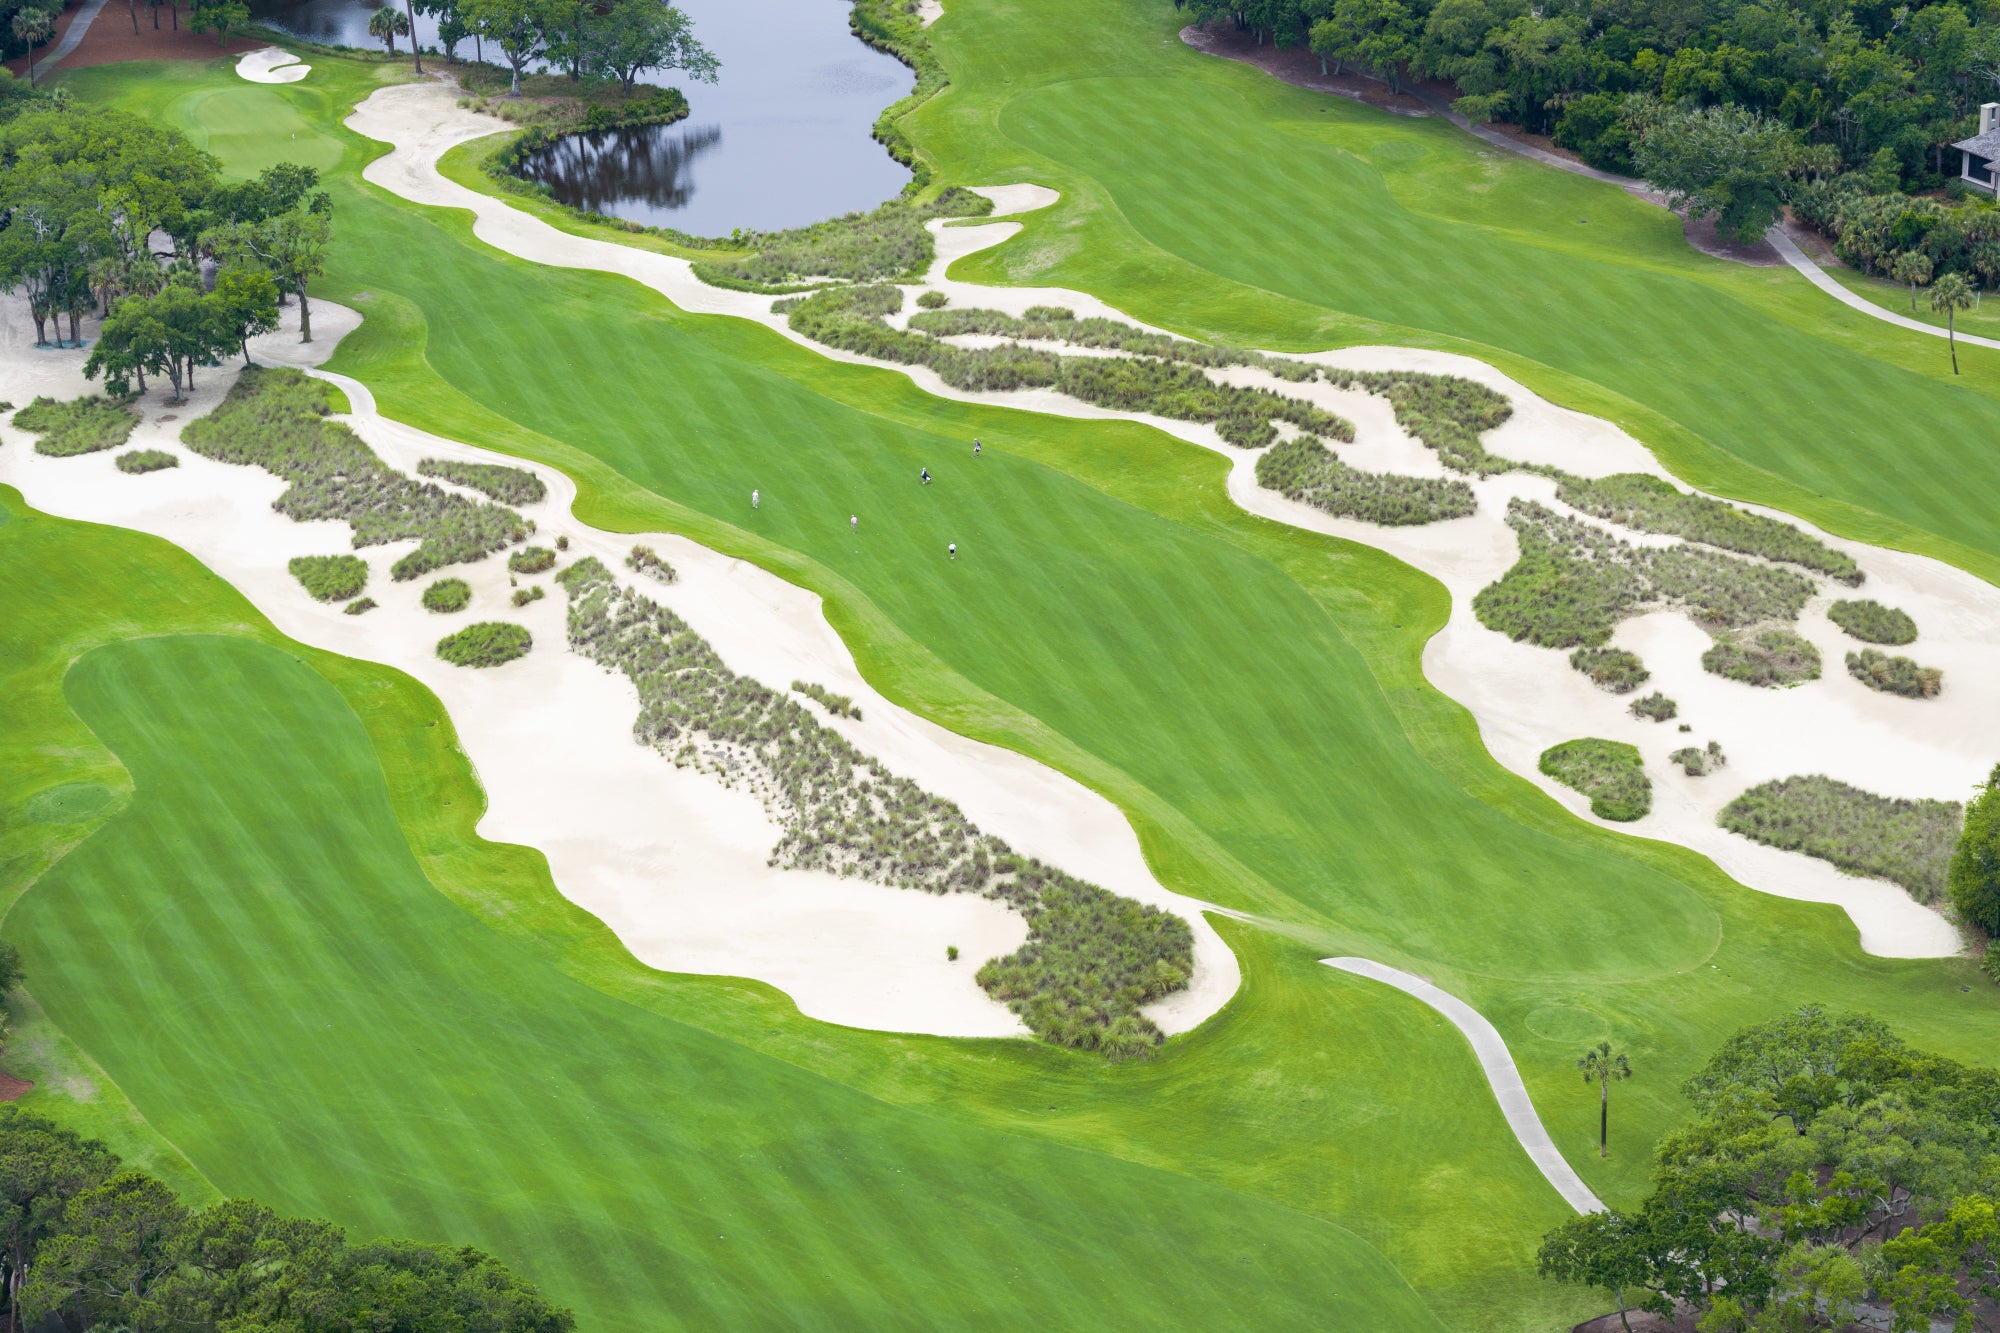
(1974,877)
(1723,161)
(291,246)
(517,26)
(640,35)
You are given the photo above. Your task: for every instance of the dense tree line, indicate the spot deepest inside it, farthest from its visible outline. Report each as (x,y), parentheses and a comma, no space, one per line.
(1829,1164)
(105,214)
(611,39)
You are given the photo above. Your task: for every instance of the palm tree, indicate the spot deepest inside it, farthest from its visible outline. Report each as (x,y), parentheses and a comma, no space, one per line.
(1951,294)
(1913,267)
(1600,1065)
(33,27)
(386,23)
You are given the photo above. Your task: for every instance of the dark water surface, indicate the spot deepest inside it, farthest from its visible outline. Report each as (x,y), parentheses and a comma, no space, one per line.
(781,140)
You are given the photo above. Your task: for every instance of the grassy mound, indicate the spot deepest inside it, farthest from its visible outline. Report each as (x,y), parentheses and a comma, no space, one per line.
(531,593)
(1610,773)
(274,419)
(1895,675)
(1091,959)
(447,595)
(1771,657)
(887,244)
(645,560)
(330,578)
(507,485)
(531,560)
(83,425)
(1303,469)
(146,460)
(490,643)
(1872,622)
(1574,582)
(1909,842)
(1611,669)
(1655,707)
(1650,504)
(1699,762)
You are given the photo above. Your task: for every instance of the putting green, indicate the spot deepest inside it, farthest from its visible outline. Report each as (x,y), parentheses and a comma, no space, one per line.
(1250,693)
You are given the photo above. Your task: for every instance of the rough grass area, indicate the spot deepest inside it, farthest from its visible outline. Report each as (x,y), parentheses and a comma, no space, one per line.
(490,643)
(146,460)
(1091,958)
(1656,707)
(1610,773)
(275,419)
(83,425)
(1446,413)
(1305,470)
(888,244)
(554,103)
(496,481)
(1612,669)
(1650,504)
(837,704)
(1895,675)
(1909,842)
(645,560)
(447,595)
(330,578)
(1574,582)
(852,319)
(1772,657)
(1698,763)
(1872,622)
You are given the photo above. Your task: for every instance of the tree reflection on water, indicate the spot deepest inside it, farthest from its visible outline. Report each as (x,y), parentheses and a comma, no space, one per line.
(610,171)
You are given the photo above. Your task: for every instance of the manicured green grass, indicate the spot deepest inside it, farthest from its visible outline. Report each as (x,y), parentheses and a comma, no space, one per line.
(1251,694)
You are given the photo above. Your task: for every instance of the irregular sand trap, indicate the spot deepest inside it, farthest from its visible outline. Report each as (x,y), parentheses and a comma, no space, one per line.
(271,65)
(671,860)
(929,11)
(1523,698)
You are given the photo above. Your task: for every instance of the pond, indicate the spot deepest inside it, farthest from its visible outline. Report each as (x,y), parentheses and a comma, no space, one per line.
(781,140)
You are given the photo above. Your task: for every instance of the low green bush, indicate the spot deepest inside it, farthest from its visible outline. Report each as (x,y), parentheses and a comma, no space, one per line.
(1611,669)
(361,607)
(508,485)
(1574,582)
(645,560)
(274,418)
(1650,504)
(1771,657)
(1895,675)
(1305,470)
(1092,958)
(531,560)
(1655,707)
(146,460)
(1909,842)
(532,593)
(887,244)
(447,595)
(837,704)
(1610,773)
(489,643)
(933,300)
(83,425)
(330,578)
(1872,622)
(1974,872)
(1699,763)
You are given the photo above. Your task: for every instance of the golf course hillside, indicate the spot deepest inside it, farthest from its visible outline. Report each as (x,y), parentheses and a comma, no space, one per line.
(1139,734)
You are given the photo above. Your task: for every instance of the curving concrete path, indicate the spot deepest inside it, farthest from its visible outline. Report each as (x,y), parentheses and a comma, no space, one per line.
(1508,1090)
(1817,276)
(78,26)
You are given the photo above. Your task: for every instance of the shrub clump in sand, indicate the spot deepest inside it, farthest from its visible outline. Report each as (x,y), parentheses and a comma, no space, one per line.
(1092,958)
(1771,657)
(275,419)
(146,460)
(1656,707)
(490,643)
(1305,470)
(1650,504)
(933,300)
(837,704)
(361,607)
(1895,675)
(447,595)
(886,244)
(1574,582)
(330,578)
(1611,669)
(496,481)
(1872,622)
(1610,773)
(645,560)
(1699,763)
(1908,842)
(532,593)
(83,425)
(531,560)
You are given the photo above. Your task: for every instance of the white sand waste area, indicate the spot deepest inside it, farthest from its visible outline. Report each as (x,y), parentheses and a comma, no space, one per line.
(1524,698)
(929,11)
(271,65)
(671,860)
